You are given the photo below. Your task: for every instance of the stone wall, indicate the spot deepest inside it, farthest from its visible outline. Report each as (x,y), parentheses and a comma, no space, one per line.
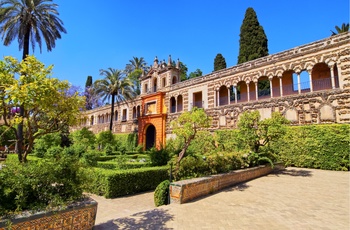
(79,217)
(187,190)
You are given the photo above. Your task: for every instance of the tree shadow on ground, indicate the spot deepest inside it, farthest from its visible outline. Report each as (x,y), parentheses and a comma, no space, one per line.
(238,187)
(152,219)
(294,172)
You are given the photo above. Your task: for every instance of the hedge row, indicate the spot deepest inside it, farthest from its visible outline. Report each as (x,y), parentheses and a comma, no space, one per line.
(116,165)
(112,183)
(315,146)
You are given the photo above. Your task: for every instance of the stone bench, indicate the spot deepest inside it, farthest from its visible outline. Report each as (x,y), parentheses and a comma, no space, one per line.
(187,190)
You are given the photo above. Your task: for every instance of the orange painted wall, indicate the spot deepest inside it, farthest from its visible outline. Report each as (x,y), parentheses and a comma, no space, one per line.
(157,119)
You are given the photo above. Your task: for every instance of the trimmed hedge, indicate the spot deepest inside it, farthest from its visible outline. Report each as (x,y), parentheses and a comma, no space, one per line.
(112,183)
(315,146)
(106,158)
(116,165)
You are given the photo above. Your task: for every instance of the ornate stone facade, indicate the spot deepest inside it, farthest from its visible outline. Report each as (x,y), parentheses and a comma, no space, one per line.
(309,84)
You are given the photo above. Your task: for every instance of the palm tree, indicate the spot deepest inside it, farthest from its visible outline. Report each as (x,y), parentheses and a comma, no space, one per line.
(115,85)
(344,28)
(134,69)
(136,63)
(29,21)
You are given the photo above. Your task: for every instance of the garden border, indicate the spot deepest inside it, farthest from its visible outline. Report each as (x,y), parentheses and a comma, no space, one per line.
(186,190)
(79,216)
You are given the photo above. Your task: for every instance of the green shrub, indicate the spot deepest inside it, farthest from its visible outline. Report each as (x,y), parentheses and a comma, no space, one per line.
(42,144)
(202,144)
(126,142)
(159,157)
(223,162)
(161,194)
(116,183)
(190,167)
(315,146)
(104,138)
(40,184)
(107,165)
(108,149)
(105,158)
(84,136)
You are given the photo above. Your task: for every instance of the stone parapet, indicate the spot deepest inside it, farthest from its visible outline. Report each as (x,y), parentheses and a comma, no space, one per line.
(187,190)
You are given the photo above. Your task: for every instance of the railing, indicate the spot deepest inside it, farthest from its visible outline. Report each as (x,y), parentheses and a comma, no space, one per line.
(305,87)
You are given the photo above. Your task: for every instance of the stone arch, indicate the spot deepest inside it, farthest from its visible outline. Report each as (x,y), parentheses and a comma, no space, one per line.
(242,91)
(134,112)
(172,105)
(138,111)
(92,120)
(288,84)
(174,80)
(150,136)
(223,95)
(116,115)
(179,103)
(321,76)
(154,84)
(264,90)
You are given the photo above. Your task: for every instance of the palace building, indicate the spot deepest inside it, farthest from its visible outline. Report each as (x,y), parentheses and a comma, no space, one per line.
(309,84)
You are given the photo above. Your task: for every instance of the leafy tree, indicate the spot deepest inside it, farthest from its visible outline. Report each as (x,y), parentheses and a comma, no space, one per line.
(183,71)
(115,85)
(219,62)
(187,125)
(84,137)
(29,22)
(253,40)
(44,102)
(255,133)
(196,73)
(343,29)
(7,136)
(106,138)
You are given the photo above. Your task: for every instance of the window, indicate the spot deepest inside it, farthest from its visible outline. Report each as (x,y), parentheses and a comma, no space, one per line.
(124,118)
(116,115)
(134,115)
(197,100)
(150,108)
(163,82)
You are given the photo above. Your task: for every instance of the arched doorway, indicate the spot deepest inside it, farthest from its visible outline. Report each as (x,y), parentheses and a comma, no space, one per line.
(150,136)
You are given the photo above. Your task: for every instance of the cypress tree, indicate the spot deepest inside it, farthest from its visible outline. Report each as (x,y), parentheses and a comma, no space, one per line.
(88,82)
(253,40)
(219,62)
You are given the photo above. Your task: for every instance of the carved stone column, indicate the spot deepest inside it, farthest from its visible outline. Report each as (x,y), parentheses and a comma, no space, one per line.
(248,94)
(256,90)
(299,86)
(271,87)
(310,79)
(281,85)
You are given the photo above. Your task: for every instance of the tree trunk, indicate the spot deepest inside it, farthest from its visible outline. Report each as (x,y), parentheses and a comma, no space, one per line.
(19,142)
(112,114)
(183,151)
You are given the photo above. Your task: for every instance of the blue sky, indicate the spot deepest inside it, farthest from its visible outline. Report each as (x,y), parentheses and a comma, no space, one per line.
(108,33)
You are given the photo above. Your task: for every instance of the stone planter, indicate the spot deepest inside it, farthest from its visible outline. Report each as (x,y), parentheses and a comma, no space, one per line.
(76,216)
